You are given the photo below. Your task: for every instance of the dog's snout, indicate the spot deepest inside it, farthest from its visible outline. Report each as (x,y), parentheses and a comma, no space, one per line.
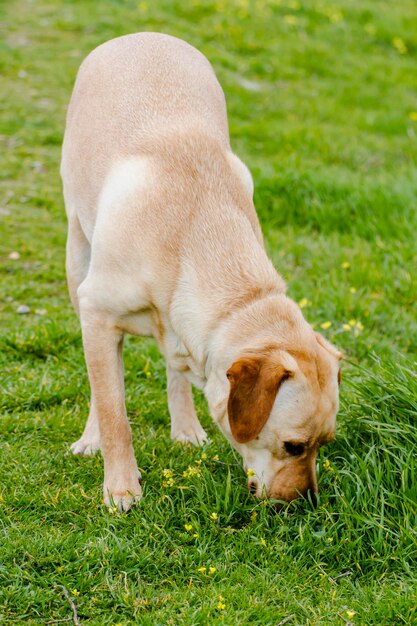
(308,493)
(296,480)
(293,494)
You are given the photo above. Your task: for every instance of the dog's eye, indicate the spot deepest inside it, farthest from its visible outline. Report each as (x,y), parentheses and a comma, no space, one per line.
(295,449)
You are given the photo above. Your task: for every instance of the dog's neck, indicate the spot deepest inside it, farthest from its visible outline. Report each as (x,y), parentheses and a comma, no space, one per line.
(215,286)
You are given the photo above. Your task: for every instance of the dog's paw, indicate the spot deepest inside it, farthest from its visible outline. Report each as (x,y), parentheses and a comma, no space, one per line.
(123,500)
(86,446)
(196,436)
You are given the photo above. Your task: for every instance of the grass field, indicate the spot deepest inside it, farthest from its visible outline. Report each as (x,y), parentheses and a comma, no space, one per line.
(322,100)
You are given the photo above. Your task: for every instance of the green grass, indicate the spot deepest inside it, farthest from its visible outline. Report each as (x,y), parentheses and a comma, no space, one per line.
(325,126)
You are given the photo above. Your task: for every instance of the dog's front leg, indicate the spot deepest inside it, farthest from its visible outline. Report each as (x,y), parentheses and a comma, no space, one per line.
(185,426)
(103,352)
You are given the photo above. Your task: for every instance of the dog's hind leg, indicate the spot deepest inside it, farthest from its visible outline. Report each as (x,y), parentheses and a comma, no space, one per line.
(185,426)
(77,263)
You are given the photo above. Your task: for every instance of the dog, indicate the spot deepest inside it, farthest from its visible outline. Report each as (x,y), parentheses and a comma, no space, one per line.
(164,241)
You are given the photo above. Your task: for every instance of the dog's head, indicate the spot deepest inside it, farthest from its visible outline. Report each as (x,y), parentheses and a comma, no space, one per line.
(281,408)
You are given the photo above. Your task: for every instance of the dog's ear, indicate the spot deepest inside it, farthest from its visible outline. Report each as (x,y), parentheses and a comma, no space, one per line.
(254,383)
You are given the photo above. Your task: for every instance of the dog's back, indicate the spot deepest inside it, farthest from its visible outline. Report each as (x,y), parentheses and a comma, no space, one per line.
(129,92)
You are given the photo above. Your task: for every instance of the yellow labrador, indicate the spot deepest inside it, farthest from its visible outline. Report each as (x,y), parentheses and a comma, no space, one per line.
(163,240)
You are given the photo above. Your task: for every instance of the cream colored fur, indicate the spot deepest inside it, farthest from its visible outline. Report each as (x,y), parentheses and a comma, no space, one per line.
(163,240)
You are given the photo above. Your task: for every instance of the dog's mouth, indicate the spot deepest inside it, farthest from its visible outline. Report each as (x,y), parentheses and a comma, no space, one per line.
(278,500)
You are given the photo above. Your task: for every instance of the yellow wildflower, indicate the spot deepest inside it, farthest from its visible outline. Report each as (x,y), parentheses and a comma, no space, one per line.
(350,613)
(203,456)
(214,517)
(263,542)
(202,569)
(212,570)
(335,16)
(413,116)
(221,605)
(358,328)
(303,303)
(191,471)
(370,29)
(352,289)
(188,527)
(399,45)
(167,473)
(327,465)
(216,457)
(345,265)
(250,473)
(291,19)
(354,325)
(75,592)
(325,325)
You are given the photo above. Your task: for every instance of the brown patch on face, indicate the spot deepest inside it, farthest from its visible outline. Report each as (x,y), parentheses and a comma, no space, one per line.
(254,384)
